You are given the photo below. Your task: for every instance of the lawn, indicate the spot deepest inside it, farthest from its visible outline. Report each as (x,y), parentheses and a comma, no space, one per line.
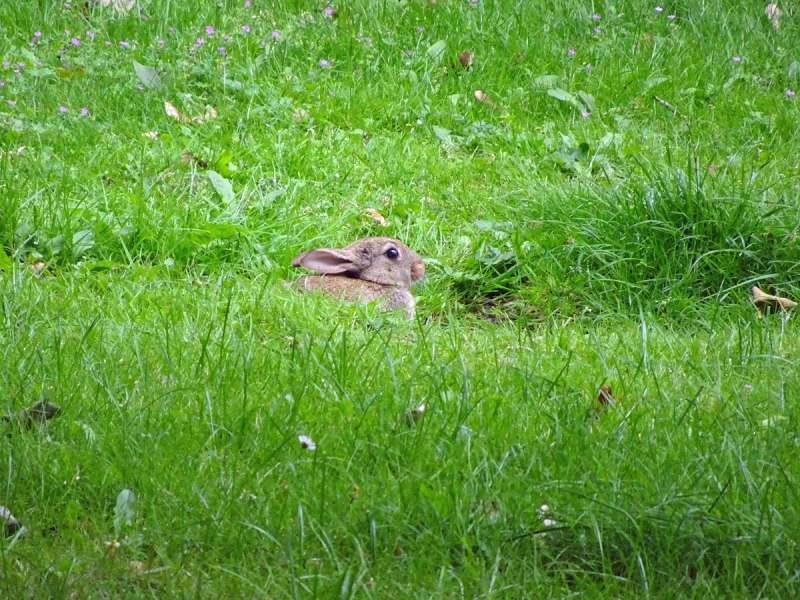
(594,188)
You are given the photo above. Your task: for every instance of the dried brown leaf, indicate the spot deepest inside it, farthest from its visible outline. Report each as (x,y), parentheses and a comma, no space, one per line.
(188,158)
(173,112)
(605,396)
(482,97)
(137,566)
(773,13)
(210,114)
(377,217)
(466,59)
(300,114)
(767,303)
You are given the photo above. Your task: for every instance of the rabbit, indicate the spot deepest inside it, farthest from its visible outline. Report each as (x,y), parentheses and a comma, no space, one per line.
(366,270)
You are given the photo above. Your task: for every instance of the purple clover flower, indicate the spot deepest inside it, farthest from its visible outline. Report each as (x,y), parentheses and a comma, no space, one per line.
(737,59)
(246,28)
(11,102)
(584,114)
(75,42)
(571,52)
(276,34)
(124,44)
(63,109)
(222,51)
(658,9)
(85,112)
(789,93)
(37,34)
(328,10)
(200,41)
(596,17)
(323,62)
(597,30)
(209,30)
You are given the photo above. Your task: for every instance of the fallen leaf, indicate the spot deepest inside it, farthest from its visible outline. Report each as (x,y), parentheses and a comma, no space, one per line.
(173,112)
(137,566)
(300,114)
(223,187)
(122,6)
(398,552)
(414,415)
(210,114)
(485,99)
(11,524)
(605,396)
(768,303)
(147,75)
(188,158)
(773,13)
(377,217)
(437,50)
(466,59)
(353,494)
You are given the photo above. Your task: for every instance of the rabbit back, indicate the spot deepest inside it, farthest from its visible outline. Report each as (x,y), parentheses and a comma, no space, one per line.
(358,290)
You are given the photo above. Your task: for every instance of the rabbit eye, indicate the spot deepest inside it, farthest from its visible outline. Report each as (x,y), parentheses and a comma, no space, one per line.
(392,253)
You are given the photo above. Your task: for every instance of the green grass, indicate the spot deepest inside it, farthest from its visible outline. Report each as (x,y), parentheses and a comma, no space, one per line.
(563,252)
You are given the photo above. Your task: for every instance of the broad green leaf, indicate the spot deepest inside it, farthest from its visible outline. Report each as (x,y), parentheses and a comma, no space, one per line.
(653,82)
(82,242)
(437,50)
(123,511)
(147,75)
(587,100)
(547,80)
(5,261)
(222,185)
(560,94)
(211,232)
(441,133)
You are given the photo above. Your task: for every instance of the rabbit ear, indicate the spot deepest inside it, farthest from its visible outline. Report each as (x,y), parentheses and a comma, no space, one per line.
(327,261)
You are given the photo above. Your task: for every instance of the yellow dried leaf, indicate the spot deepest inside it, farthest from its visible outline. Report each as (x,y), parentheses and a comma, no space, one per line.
(485,99)
(768,303)
(377,217)
(773,13)
(210,114)
(354,493)
(173,112)
(188,158)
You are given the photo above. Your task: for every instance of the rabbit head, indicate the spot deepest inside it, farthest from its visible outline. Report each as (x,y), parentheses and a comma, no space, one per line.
(381,260)
(366,270)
